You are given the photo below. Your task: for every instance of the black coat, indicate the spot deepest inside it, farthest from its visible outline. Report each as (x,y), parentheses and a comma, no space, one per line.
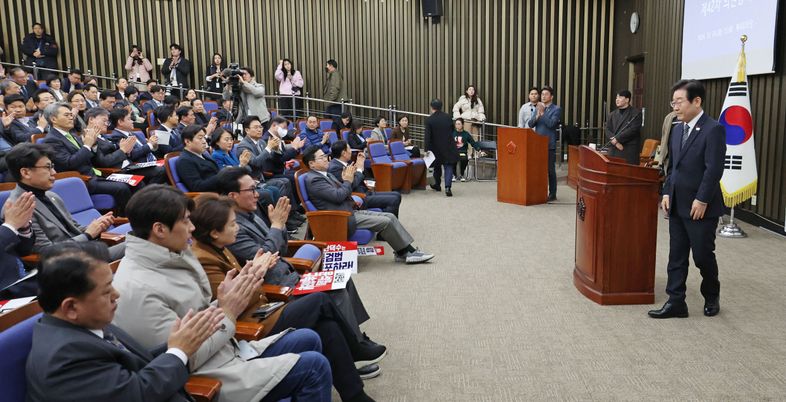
(48,48)
(183,69)
(439,138)
(197,174)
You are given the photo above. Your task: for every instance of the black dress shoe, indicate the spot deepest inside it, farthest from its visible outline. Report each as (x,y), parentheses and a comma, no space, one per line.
(670,310)
(435,187)
(448,192)
(712,307)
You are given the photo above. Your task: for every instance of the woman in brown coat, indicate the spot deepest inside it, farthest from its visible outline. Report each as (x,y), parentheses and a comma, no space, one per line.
(216,228)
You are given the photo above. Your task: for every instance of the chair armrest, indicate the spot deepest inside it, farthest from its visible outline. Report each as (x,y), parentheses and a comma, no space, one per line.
(293,245)
(383,176)
(361,195)
(31,259)
(277,293)
(248,331)
(302,265)
(203,389)
(112,238)
(328,225)
(193,194)
(119,220)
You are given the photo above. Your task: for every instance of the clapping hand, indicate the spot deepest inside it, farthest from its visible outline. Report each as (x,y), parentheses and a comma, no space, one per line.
(235,291)
(298,142)
(245,157)
(189,332)
(278,215)
(100,225)
(19,212)
(349,172)
(127,144)
(90,136)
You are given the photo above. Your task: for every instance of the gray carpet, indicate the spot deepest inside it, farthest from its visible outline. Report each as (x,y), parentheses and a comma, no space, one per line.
(495,316)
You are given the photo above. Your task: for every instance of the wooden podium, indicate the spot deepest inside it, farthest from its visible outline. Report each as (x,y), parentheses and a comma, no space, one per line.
(522,166)
(616,230)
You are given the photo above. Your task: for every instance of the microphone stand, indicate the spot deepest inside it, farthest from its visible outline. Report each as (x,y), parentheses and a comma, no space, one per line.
(605,146)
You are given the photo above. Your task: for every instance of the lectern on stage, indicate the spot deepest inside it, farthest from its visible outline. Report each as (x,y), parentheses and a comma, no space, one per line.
(616,230)
(522,170)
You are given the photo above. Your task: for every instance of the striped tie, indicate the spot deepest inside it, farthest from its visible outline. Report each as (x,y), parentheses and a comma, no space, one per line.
(685,134)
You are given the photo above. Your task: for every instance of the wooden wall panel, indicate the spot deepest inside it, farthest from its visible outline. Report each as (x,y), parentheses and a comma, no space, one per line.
(388,52)
(660,41)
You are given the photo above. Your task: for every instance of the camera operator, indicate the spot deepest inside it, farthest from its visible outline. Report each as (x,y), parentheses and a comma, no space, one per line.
(138,67)
(176,68)
(252,95)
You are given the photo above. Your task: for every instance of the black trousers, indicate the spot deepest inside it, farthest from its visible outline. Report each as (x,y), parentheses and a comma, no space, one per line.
(121,192)
(438,166)
(696,236)
(552,172)
(289,109)
(462,165)
(153,175)
(333,111)
(318,312)
(387,201)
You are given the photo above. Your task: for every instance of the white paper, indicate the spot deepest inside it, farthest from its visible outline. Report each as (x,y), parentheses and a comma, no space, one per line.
(33,272)
(429,158)
(163,137)
(14,304)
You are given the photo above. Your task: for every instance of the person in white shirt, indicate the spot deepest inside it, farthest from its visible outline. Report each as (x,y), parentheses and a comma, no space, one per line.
(530,108)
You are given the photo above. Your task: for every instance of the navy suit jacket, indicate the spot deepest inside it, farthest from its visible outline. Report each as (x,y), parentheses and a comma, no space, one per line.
(175,144)
(695,169)
(139,153)
(13,247)
(69,363)
(257,159)
(148,106)
(19,132)
(197,174)
(547,124)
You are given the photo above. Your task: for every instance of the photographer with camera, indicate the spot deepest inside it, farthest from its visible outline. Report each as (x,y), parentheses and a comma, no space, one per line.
(138,67)
(241,85)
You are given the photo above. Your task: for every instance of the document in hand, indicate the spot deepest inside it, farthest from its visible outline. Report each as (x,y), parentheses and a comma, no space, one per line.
(429,158)
(163,137)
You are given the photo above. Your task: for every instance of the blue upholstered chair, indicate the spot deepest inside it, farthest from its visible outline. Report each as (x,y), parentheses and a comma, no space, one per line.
(388,174)
(326,124)
(15,344)
(417,166)
(328,225)
(79,204)
(210,106)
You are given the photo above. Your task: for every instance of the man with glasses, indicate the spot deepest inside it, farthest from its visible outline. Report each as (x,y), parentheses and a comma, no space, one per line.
(74,152)
(31,167)
(692,199)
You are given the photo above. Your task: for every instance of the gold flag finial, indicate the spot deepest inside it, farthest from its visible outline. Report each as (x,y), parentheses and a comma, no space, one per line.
(740,76)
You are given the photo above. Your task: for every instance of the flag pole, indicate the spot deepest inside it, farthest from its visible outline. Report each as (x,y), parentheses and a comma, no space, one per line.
(731,229)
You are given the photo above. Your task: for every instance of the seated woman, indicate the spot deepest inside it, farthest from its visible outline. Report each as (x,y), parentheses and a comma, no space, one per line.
(401,133)
(356,139)
(221,141)
(378,134)
(215,228)
(342,123)
(200,117)
(137,116)
(54,84)
(463,140)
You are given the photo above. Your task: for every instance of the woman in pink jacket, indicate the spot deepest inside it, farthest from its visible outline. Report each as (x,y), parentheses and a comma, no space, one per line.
(290,83)
(138,67)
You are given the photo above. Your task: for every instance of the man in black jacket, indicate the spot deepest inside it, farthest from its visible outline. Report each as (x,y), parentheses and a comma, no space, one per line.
(177,68)
(439,140)
(40,48)
(77,354)
(623,129)
(387,201)
(197,170)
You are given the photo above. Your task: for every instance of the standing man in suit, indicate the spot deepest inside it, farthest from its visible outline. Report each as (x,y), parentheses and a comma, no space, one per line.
(77,354)
(623,129)
(327,192)
(692,199)
(32,169)
(74,152)
(17,239)
(545,122)
(40,48)
(176,68)
(341,157)
(439,140)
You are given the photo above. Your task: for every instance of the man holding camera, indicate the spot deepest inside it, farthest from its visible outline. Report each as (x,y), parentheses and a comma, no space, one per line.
(252,95)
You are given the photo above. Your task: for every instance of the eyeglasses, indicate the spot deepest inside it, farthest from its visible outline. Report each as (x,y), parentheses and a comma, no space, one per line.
(323,156)
(252,190)
(48,166)
(676,102)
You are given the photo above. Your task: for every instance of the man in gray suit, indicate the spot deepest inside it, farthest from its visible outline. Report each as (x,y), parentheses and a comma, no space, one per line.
(31,167)
(78,355)
(327,192)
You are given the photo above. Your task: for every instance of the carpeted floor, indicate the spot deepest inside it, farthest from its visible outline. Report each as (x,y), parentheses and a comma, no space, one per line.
(495,316)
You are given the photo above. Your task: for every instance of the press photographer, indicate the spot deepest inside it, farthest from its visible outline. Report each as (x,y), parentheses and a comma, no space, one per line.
(252,95)
(138,67)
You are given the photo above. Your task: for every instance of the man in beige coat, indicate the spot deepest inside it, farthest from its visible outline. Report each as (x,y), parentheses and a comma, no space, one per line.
(160,280)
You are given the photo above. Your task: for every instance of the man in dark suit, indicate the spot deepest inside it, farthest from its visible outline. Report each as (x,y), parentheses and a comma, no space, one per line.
(32,169)
(545,121)
(92,94)
(17,238)
(157,95)
(18,131)
(168,119)
(197,170)
(388,201)
(26,84)
(623,129)
(78,355)
(73,81)
(327,192)
(692,199)
(439,140)
(41,99)
(120,119)
(70,151)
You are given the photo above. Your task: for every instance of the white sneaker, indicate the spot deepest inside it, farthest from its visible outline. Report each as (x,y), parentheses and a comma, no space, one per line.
(454,178)
(463,179)
(414,257)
